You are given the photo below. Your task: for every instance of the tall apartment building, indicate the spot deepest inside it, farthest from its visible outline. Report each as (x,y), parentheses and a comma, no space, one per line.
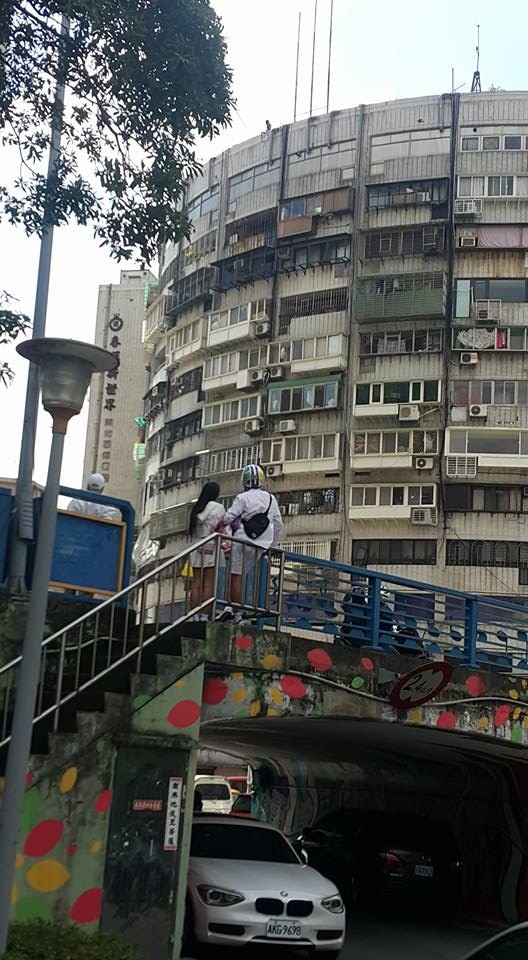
(352,311)
(117,397)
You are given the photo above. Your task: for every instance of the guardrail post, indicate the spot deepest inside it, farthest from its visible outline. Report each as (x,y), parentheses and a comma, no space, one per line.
(470,631)
(374,598)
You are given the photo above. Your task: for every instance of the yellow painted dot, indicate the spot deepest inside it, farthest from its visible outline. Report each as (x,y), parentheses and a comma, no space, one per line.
(237,676)
(516,713)
(19,860)
(270,661)
(47,876)
(514,694)
(272,712)
(180,683)
(238,696)
(415,716)
(68,779)
(525,722)
(2,781)
(483,723)
(276,696)
(524,683)
(95,848)
(14,894)
(254,709)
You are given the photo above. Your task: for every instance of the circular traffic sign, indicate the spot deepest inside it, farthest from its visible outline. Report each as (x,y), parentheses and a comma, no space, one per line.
(420,685)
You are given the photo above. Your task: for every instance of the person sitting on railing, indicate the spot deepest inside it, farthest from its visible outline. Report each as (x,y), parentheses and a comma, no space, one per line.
(207,516)
(96,484)
(256,519)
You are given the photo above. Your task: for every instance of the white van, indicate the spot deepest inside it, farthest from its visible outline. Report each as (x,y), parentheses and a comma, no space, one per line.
(215,793)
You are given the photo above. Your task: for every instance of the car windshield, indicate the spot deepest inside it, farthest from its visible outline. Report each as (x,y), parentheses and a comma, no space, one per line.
(242,804)
(222,841)
(214,791)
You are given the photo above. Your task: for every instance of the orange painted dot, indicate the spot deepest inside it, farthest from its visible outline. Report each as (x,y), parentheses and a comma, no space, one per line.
(68,779)
(276,696)
(180,683)
(514,694)
(270,661)
(96,847)
(19,862)
(238,696)
(272,712)
(14,894)
(237,676)
(415,716)
(483,723)
(516,713)
(47,876)
(255,708)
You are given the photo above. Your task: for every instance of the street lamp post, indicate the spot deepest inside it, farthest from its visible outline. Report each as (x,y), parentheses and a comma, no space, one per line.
(66,367)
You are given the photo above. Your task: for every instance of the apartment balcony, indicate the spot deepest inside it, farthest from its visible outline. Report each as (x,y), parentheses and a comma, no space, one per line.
(335,361)
(404,295)
(377,410)
(194,348)
(382,461)
(172,520)
(490,415)
(155,322)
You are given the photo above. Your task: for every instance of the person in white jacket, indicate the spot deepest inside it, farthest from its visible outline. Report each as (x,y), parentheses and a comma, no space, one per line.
(254,500)
(206,516)
(96,484)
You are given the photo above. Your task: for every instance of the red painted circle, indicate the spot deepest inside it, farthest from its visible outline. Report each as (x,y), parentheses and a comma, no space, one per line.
(293,687)
(43,838)
(72,849)
(319,659)
(244,643)
(87,907)
(367,663)
(28,779)
(502,715)
(446,720)
(475,686)
(184,714)
(214,691)
(104,801)
(420,685)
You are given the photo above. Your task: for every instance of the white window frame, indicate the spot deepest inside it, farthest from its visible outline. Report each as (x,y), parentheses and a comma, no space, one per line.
(223,405)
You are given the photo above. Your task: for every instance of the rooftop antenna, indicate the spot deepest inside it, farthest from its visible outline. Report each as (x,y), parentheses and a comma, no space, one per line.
(297,69)
(475,84)
(313,56)
(329,56)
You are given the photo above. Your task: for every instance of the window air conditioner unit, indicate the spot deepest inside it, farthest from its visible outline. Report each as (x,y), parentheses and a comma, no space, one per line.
(478,410)
(285,253)
(287,426)
(486,310)
(256,376)
(408,411)
(255,425)
(262,328)
(468,359)
(233,239)
(468,242)
(423,197)
(275,373)
(423,463)
(470,207)
(274,470)
(462,468)
(424,516)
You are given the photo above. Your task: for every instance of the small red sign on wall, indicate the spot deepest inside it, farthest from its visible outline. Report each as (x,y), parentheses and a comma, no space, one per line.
(420,685)
(150,805)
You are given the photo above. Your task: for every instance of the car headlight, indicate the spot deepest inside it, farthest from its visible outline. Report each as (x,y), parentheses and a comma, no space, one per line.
(217,897)
(333,904)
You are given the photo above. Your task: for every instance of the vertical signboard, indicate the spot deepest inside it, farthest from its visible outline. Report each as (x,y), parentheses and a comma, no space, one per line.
(172,817)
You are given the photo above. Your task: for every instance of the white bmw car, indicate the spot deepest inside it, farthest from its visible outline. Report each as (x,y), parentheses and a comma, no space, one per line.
(248,886)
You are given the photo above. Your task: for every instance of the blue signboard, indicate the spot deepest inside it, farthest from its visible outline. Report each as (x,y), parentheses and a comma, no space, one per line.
(89,553)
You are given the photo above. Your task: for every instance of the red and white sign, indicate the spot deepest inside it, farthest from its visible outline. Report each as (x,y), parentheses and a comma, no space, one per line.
(420,685)
(142,806)
(172,818)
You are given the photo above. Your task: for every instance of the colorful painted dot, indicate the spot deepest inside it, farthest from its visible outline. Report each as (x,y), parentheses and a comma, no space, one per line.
(483,723)
(14,894)
(475,686)
(237,676)
(19,862)
(68,779)
(28,779)
(367,663)
(516,713)
(184,714)
(271,661)
(238,696)
(514,694)
(47,876)
(293,687)
(96,846)
(415,716)
(525,722)
(319,659)
(276,696)
(87,907)
(357,683)
(181,682)
(244,643)
(214,692)
(72,849)
(446,720)
(104,801)
(43,838)
(255,708)
(502,715)
(272,712)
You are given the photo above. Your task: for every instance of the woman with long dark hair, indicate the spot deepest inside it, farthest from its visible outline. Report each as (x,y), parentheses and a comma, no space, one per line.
(206,515)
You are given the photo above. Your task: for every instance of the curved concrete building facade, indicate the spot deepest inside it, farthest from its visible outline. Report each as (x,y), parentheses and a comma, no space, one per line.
(352,311)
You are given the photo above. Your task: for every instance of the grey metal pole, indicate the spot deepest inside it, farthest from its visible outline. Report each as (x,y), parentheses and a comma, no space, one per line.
(297,69)
(329,56)
(20,743)
(313,57)
(23,531)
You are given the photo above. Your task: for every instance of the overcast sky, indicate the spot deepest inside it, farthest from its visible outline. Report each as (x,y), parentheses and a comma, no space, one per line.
(382,51)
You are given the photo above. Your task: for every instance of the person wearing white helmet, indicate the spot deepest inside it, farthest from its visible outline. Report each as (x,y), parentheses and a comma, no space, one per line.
(95,484)
(255,518)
